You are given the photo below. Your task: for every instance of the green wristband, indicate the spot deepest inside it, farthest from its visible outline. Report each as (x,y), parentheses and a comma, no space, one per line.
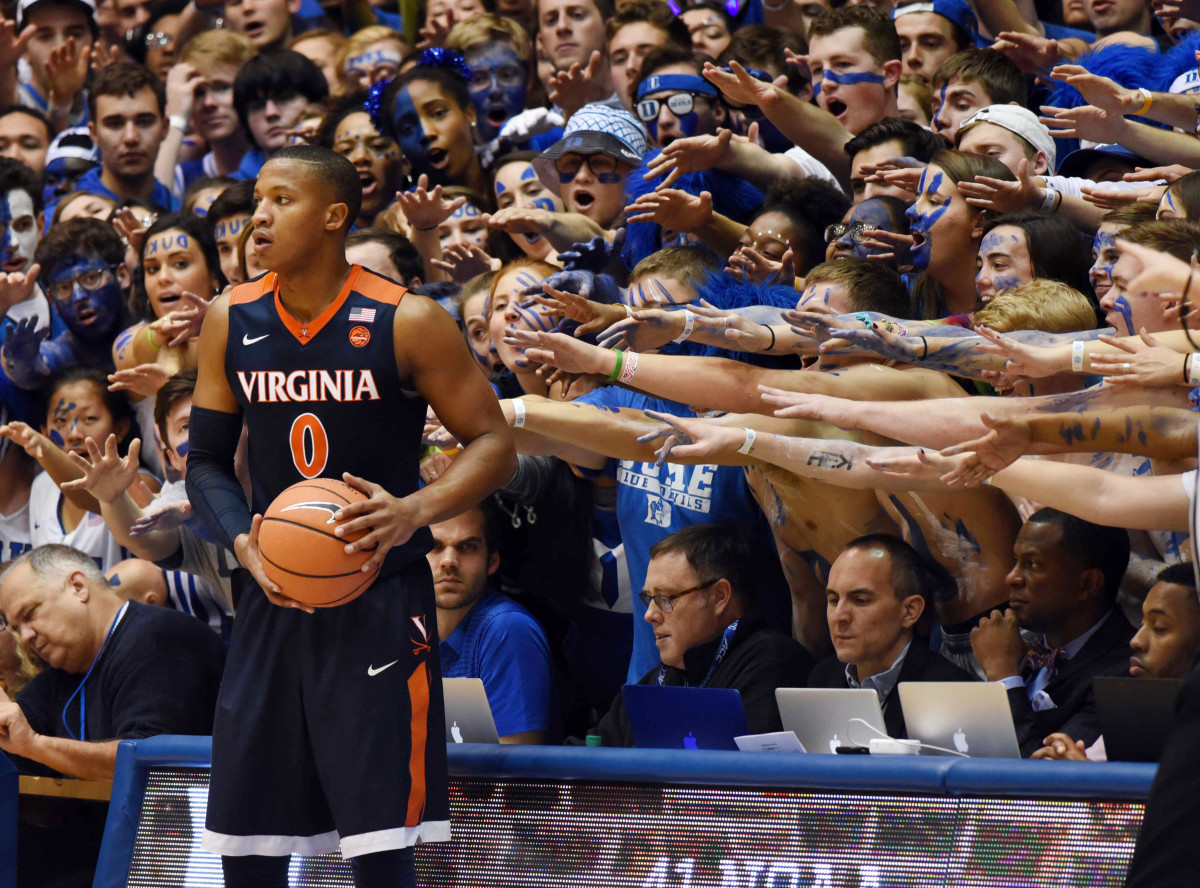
(616,370)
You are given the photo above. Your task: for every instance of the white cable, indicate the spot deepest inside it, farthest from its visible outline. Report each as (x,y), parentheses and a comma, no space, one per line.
(876,730)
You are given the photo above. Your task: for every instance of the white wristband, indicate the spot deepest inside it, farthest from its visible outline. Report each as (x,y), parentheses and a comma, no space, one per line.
(179,122)
(1077,356)
(1193,370)
(1048,200)
(748,444)
(518,413)
(628,310)
(689,323)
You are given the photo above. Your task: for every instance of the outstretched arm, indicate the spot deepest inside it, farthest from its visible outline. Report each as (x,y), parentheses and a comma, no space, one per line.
(1142,502)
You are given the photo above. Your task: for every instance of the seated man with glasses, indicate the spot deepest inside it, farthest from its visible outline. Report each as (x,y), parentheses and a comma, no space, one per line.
(673,100)
(875,596)
(84,277)
(115,670)
(700,595)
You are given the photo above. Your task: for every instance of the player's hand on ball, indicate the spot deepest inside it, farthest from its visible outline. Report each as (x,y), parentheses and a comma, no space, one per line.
(385,520)
(245,547)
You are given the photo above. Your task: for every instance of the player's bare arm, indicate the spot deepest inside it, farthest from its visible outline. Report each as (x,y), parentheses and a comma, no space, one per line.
(430,352)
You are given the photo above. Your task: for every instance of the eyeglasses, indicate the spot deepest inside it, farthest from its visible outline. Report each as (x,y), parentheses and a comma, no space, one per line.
(91,280)
(159,40)
(678,104)
(858,231)
(666,603)
(568,165)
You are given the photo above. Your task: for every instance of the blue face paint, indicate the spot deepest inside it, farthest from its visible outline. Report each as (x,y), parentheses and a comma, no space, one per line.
(872,212)
(6,242)
(498,86)
(846,78)
(56,438)
(89,315)
(528,173)
(941,103)
(229,227)
(410,133)
(545,203)
(921,224)
(115,580)
(1102,264)
(500,189)
(183,449)
(1121,307)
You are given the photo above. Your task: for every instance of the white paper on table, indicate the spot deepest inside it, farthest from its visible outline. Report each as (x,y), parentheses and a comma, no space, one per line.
(776,741)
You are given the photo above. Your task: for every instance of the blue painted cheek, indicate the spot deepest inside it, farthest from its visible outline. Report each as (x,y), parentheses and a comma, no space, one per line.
(651,129)
(183,449)
(1005,282)
(610,178)
(412,141)
(9,245)
(1121,305)
(545,203)
(56,438)
(688,123)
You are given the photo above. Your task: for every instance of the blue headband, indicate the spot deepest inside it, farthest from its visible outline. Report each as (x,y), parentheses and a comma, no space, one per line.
(683,82)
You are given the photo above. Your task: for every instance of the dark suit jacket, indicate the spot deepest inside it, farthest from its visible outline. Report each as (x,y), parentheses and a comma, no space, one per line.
(1070,687)
(921,664)
(1167,853)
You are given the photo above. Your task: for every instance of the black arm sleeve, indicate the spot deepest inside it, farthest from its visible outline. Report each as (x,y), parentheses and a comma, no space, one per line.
(212,486)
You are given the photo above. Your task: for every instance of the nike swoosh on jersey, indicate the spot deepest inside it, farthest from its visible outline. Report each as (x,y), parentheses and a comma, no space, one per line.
(372,671)
(246,340)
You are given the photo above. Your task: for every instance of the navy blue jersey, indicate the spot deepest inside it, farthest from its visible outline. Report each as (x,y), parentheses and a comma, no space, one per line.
(325,397)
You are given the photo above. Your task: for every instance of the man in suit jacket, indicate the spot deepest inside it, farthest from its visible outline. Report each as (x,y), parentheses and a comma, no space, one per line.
(1063,590)
(875,596)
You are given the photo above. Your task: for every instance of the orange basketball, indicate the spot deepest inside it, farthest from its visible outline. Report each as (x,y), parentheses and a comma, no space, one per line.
(299,549)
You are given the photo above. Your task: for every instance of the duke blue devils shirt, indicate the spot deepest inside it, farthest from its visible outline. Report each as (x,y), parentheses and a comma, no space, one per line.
(325,397)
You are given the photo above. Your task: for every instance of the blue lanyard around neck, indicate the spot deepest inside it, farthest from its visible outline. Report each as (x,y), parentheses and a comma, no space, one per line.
(722,650)
(80,690)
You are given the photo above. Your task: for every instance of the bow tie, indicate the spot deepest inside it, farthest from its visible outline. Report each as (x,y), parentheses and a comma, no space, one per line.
(1039,656)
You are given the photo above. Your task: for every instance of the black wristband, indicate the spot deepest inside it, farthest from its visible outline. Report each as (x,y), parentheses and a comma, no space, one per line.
(770,330)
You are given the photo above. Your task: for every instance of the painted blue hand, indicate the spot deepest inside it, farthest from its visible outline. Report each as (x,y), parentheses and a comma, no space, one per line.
(22,357)
(594,255)
(589,285)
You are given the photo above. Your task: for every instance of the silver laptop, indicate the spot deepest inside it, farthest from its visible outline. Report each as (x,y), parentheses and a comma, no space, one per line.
(820,717)
(468,715)
(968,716)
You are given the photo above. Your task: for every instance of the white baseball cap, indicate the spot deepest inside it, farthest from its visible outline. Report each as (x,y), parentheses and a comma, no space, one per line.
(1018,121)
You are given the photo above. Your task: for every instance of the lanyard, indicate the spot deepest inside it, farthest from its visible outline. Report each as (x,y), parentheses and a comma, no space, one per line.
(722,650)
(80,690)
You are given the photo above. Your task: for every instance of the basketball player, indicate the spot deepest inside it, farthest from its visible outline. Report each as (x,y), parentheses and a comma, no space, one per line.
(329,726)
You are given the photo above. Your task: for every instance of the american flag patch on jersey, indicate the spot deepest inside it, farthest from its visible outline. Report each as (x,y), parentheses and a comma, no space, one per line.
(363,315)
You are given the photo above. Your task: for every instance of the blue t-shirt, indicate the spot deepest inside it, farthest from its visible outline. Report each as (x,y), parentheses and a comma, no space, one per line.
(90,182)
(251,163)
(655,501)
(501,643)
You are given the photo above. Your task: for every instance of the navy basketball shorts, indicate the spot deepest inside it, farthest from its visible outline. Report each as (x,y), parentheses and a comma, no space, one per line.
(329,729)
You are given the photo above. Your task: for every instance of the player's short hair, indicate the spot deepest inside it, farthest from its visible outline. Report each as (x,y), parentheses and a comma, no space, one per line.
(15,175)
(181,385)
(67,242)
(1042,304)
(690,266)
(125,79)
(1178,237)
(400,250)
(999,76)
(879,34)
(715,552)
(912,574)
(869,285)
(333,169)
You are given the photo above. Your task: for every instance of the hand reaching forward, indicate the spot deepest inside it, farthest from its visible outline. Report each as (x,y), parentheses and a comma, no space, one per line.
(106,475)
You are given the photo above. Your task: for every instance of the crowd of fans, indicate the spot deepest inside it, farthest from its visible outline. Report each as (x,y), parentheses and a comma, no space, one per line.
(843,345)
